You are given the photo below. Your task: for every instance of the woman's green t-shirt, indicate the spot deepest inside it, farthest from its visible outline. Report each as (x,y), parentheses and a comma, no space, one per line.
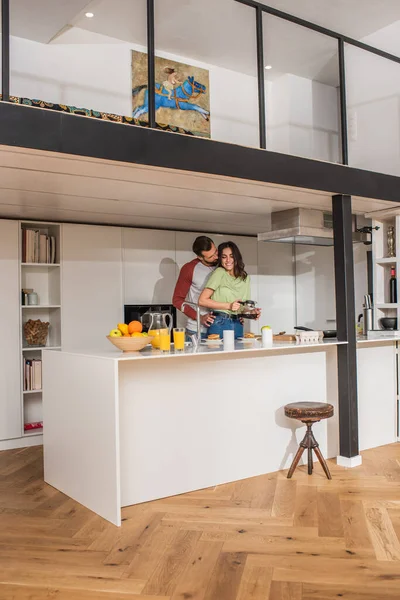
(227,288)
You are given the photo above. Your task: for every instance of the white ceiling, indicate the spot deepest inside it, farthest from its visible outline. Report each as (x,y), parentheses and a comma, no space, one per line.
(215,32)
(354,18)
(57,187)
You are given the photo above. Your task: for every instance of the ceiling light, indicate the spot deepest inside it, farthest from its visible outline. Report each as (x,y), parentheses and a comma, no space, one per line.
(89,15)
(268,67)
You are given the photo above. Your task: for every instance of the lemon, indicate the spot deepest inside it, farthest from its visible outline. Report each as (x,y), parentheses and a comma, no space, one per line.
(265,327)
(136,334)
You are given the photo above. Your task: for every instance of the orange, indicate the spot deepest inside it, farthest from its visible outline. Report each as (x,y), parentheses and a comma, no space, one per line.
(135,327)
(126,335)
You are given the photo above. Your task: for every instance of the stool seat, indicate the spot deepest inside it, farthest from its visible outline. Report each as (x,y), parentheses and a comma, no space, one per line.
(309,411)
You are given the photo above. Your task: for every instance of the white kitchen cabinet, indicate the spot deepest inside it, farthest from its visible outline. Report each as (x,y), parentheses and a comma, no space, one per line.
(10,378)
(92,301)
(150,268)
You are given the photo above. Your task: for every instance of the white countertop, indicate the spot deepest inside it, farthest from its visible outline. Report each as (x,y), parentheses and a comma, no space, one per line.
(241,348)
(378,340)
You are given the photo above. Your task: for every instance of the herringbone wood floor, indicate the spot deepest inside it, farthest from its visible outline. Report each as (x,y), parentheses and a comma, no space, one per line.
(265,538)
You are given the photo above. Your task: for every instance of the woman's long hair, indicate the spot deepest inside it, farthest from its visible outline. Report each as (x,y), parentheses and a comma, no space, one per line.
(238,269)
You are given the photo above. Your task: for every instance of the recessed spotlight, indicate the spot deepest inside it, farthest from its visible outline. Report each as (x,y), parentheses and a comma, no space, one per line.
(89,15)
(268,67)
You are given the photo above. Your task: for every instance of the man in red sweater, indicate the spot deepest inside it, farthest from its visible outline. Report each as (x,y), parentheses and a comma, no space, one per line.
(192,279)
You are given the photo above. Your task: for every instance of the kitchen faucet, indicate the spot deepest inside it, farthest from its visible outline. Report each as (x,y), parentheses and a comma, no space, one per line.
(198,315)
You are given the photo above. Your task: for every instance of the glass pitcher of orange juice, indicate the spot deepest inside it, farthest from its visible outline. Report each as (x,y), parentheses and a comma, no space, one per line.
(159,325)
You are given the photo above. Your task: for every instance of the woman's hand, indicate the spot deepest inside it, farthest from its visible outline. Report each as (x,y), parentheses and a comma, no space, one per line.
(257,311)
(234,306)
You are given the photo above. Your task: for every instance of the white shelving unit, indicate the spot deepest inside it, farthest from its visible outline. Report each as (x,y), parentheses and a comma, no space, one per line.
(382,267)
(45,280)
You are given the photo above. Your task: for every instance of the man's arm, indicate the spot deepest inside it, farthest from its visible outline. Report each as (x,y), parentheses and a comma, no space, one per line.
(182,289)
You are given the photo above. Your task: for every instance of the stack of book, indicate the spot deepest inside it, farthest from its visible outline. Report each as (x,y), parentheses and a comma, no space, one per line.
(32,374)
(38,247)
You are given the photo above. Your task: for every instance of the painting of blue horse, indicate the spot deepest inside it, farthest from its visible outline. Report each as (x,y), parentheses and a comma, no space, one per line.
(182,94)
(181,98)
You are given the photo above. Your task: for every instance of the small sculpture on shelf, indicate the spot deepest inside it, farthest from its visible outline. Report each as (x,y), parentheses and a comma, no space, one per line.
(36,332)
(390,242)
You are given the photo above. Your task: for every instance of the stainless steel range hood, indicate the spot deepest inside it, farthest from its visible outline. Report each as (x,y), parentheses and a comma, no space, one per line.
(305,226)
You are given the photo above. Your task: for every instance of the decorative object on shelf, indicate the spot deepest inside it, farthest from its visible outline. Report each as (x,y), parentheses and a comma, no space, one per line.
(389,323)
(36,332)
(391,242)
(393,286)
(33,299)
(181,95)
(24,296)
(34,425)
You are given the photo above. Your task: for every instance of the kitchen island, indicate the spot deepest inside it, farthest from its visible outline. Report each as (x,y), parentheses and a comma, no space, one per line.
(121,429)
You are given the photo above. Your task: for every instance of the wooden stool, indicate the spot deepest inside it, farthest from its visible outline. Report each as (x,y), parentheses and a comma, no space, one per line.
(309,413)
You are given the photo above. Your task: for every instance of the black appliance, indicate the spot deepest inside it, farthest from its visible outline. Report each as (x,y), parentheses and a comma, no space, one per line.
(134,312)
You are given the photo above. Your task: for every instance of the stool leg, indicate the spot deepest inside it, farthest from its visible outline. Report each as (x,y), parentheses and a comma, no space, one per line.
(322,461)
(310,461)
(295,461)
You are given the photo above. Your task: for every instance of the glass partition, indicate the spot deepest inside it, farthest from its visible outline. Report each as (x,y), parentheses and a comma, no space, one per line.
(76,56)
(373,116)
(302,90)
(206,69)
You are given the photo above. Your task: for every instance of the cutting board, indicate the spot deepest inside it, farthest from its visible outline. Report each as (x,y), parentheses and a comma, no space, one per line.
(286,337)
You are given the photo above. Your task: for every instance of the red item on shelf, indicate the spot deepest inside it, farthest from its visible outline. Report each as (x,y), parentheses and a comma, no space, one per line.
(36,425)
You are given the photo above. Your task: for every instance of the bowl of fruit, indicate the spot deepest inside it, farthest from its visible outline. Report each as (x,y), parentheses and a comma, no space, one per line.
(129,337)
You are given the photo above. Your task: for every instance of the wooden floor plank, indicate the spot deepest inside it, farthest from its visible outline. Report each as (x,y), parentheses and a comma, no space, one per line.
(283,590)
(330,522)
(225,579)
(194,581)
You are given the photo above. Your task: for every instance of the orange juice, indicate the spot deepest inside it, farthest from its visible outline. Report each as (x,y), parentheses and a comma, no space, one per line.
(165,341)
(155,342)
(179,338)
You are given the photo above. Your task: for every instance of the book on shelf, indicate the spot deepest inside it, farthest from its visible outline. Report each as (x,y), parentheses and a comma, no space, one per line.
(38,247)
(32,374)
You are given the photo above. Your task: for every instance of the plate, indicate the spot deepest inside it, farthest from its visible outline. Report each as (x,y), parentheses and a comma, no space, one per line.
(211,342)
(245,339)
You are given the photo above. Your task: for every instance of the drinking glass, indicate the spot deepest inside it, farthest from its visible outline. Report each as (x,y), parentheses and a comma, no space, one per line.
(179,338)
(165,341)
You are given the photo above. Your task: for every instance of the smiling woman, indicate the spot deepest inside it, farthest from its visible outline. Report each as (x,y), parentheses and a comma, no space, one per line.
(226,288)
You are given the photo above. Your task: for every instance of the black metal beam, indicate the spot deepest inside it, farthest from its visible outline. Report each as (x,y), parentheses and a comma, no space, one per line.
(346,325)
(151,63)
(5,50)
(298,21)
(260,78)
(343,104)
(44,129)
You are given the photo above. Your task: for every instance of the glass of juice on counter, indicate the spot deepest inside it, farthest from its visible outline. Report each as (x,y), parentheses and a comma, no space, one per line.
(179,338)
(164,340)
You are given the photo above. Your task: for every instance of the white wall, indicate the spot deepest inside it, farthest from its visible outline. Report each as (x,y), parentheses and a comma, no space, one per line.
(373,99)
(315,284)
(94,71)
(303,118)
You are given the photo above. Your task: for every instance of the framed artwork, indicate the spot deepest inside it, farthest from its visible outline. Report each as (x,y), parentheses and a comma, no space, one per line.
(182,97)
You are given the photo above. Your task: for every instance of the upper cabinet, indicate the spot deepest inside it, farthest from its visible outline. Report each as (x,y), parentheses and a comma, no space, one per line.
(10,380)
(150,268)
(91,285)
